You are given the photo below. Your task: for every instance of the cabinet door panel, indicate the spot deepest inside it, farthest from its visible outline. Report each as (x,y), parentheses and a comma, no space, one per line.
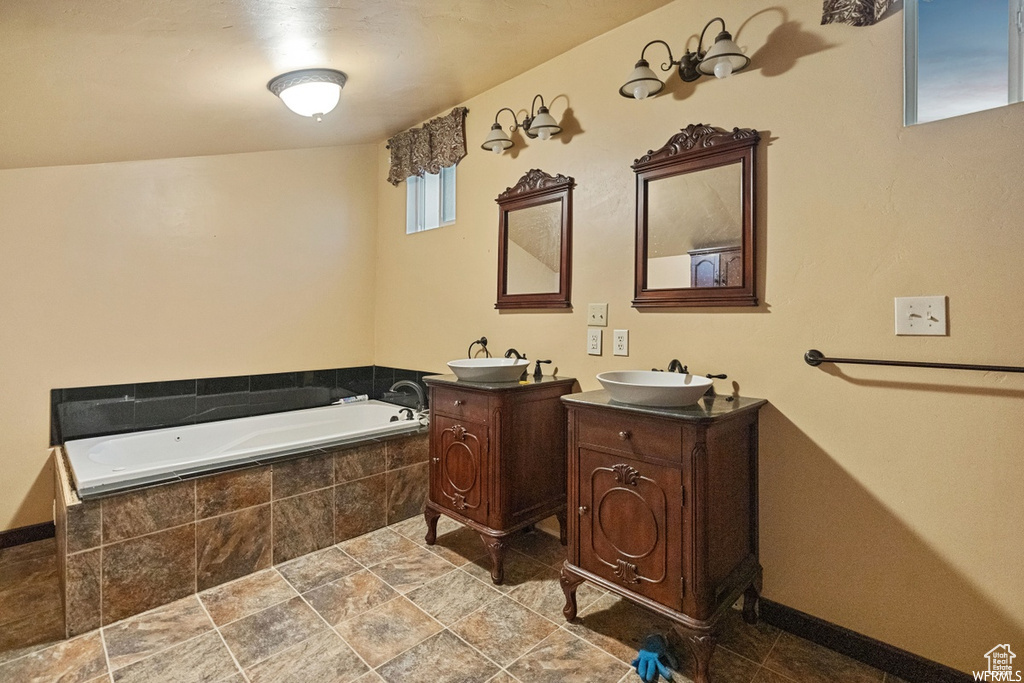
(631,524)
(732,269)
(459,476)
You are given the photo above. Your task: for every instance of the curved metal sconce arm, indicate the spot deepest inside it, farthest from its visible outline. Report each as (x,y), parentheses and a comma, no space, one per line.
(700,43)
(666,66)
(515,120)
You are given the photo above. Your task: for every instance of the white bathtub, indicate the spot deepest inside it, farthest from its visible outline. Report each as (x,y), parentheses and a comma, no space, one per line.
(106,464)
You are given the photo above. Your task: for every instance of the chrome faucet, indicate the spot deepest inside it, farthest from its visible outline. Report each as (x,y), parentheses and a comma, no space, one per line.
(421,396)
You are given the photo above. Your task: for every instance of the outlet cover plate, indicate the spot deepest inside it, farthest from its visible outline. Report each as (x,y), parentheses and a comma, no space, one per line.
(594,341)
(620,343)
(597,315)
(921,315)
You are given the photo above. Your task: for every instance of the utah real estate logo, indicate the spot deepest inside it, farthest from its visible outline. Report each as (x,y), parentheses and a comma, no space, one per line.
(1000,665)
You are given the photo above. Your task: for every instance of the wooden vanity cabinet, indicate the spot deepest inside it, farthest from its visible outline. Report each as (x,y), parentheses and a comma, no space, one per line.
(664,510)
(497,457)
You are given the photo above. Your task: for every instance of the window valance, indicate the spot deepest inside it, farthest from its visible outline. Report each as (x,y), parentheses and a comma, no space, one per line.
(439,143)
(855,12)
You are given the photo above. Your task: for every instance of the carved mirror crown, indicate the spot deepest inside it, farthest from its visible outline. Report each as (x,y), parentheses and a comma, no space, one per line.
(695,220)
(535,242)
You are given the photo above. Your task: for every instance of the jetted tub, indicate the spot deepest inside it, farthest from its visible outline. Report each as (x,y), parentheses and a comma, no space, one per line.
(107,464)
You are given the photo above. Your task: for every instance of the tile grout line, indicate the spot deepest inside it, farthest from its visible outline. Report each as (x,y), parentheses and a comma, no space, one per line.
(106,654)
(331,628)
(223,642)
(481,653)
(195,542)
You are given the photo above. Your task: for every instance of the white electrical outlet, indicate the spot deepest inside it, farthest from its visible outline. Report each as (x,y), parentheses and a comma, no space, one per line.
(620,343)
(597,315)
(594,342)
(921,315)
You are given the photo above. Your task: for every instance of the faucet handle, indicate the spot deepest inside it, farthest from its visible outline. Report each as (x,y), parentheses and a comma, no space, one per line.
(710,376)
(537,374)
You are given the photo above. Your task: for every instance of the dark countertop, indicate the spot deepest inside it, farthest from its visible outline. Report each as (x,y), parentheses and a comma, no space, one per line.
(705,410)
(453,381)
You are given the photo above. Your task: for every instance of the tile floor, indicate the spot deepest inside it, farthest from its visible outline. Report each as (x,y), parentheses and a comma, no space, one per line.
(380,607)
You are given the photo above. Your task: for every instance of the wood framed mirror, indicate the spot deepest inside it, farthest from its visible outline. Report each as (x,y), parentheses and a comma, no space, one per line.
(535,242)
(695,220)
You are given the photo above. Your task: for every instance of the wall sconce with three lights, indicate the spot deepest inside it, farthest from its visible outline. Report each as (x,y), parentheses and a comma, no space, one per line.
(720,60)
(540,125)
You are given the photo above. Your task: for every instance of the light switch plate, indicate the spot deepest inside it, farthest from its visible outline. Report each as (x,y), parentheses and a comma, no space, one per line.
(921,315)
(620,343)
(597,315)
(594,342)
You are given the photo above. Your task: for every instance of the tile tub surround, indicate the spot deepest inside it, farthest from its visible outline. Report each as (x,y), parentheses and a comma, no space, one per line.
(336,614)
(131,552)
(82,412)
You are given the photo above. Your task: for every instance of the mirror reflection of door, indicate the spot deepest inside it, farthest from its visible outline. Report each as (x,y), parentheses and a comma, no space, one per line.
(534,249)
(961,56)
(695,229)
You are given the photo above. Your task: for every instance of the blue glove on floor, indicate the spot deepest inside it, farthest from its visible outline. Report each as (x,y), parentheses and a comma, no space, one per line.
(648,660)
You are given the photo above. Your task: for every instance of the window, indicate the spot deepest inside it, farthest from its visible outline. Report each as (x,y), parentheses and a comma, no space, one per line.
(430,201)
(961,56)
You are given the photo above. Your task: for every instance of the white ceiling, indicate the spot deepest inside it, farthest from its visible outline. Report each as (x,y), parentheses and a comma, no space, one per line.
(87,81)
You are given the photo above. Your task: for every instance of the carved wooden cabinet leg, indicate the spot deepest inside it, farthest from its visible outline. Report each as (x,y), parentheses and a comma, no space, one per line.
(496,549)
(702,645)
(431,517)
(570,582)
(561,527)
(750,604)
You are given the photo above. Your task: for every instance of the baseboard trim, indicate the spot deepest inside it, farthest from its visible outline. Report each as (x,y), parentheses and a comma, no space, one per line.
(893,660)
(27,534)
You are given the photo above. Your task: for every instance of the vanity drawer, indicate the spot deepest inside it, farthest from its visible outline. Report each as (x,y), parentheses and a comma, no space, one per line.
(630,434)
(464,405)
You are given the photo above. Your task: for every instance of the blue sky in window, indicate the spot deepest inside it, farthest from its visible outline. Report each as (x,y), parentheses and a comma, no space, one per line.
(962,57)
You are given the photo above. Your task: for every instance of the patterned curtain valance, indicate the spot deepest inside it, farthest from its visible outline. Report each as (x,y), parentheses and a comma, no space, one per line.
(439,143)
(855,12)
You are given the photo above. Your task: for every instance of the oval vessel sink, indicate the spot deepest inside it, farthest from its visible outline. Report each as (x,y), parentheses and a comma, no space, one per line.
(655,389)
(488,369)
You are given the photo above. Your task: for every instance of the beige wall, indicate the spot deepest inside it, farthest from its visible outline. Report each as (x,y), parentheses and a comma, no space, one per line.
(889,498)
(170,269)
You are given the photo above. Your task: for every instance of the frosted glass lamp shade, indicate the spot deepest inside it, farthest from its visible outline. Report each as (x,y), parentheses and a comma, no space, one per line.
(309,92)
(723,58)
(496,140)
(543,125)
(642,82)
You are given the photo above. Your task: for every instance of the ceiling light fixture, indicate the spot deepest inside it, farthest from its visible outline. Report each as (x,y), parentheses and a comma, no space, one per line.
(309,92)
(721,59)
(540,125)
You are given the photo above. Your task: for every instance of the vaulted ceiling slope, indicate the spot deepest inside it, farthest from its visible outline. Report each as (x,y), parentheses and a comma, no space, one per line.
(116,80)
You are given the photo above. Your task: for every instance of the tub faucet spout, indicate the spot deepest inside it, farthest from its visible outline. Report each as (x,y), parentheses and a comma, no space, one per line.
(421,396)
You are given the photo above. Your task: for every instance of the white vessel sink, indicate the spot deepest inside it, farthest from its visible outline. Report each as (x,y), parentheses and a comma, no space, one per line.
(488,369)
(656,389)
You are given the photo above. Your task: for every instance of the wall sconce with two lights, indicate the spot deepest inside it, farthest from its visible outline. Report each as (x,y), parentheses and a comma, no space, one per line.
(537,125)
(720,60)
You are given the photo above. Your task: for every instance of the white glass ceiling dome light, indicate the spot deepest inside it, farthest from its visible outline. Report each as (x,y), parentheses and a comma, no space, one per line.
(309,92)
(722,59)
(540,125)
